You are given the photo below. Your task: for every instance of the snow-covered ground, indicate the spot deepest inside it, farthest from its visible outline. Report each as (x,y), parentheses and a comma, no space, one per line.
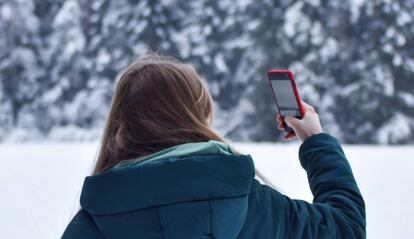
(40,184)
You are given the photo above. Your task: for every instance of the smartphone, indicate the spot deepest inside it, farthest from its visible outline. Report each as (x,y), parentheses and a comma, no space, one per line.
(285,93)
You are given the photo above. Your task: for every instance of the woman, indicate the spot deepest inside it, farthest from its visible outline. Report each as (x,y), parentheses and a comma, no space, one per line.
(162,172)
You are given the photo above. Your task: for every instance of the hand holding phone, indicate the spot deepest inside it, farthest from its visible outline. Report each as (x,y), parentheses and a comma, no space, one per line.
(288,103)
(291,108)
(305,127)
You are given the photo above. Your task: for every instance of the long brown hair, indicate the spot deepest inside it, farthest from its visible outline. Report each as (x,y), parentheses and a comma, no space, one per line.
(159,102)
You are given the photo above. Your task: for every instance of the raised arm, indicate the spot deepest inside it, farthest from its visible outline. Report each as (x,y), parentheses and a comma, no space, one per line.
(337,211)
(338,208)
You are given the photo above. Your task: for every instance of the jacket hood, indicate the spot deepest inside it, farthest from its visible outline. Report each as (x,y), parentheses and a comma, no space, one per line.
(167,181)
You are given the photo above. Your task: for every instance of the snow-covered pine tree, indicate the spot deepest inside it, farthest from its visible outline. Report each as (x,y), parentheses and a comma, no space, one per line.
(353,60)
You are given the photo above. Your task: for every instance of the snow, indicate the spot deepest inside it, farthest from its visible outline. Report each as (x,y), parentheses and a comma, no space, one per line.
(69,132)
(355,9)
(103,57)
(388,48)
(200,50)
(243,41)
(404,18)
(398,127)
(41,184)
(397,60)
(6,12)
(229,121)
(407,97)
(317,35)
(329,49)
(21,134)
(220,63)
(97,4)
(252,25)
(53,94)
(384,77)
(292,18)
(314,2)
(181,41)
(68,22)
(400,39)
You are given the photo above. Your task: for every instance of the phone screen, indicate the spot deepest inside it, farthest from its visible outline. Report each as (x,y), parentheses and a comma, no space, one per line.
(284,94)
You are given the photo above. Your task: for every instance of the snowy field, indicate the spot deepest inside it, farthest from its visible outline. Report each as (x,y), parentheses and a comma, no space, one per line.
(40,184)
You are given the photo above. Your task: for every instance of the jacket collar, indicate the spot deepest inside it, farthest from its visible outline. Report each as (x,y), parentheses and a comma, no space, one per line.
(167,181)
(188,149)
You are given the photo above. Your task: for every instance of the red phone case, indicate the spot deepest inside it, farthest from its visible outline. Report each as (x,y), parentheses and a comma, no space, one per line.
(295,91)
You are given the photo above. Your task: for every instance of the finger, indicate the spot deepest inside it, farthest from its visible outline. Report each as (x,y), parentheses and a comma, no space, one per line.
(289,136)
(280,126)
(292,121)
(290,139)
(279,118)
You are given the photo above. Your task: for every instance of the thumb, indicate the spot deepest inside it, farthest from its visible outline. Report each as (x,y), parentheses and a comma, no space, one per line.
(292,121)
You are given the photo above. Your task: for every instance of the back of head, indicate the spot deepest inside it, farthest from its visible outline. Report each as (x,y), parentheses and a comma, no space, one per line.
(159,102)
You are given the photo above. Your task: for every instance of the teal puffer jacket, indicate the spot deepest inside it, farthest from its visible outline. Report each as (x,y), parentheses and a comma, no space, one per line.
(217,196)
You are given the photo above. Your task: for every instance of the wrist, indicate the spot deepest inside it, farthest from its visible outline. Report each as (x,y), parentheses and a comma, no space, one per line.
(310,134)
